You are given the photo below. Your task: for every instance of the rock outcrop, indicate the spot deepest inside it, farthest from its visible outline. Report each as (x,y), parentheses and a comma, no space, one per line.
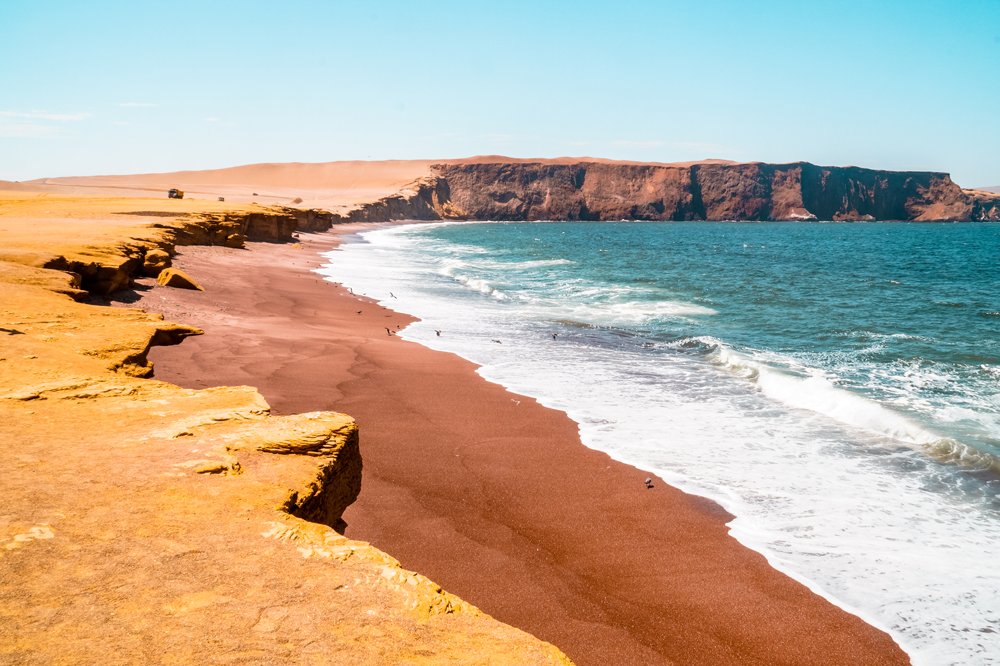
(424,199)
(310,219)
(144,523)
(173,277)
(610,191)
(154,262)
(103,243)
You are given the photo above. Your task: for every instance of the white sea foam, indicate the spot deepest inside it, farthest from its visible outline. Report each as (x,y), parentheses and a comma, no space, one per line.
(825,482)
(520,265)
(482,286)
(451,268)
(817,393)
(611,312)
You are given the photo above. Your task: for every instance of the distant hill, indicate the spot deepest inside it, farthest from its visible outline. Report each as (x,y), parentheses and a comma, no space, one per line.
(995,189)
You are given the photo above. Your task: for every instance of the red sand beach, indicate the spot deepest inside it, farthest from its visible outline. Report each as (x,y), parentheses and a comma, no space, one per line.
(488,493)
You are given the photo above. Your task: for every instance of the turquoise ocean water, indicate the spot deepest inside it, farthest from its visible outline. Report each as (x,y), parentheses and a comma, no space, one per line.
(835,386)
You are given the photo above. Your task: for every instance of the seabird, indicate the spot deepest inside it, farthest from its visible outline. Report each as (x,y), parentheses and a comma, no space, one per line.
(649,482)
(438,332)
(496,341)
(359,311)
(554,335)
(393,295)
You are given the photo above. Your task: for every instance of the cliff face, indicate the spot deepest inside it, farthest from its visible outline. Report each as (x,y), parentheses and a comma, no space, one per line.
(426,198)
(754,191)
(97,245)
(310,219)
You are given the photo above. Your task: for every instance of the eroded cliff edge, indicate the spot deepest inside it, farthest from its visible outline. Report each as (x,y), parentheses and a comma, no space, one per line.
(610,192)
(146,523)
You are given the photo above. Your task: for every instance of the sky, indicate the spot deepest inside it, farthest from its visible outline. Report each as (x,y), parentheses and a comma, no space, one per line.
(107,87)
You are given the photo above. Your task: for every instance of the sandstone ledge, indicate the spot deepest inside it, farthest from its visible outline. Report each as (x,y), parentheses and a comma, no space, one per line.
(146,523)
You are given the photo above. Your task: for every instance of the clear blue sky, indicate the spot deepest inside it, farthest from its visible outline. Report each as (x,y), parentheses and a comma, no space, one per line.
(128,87)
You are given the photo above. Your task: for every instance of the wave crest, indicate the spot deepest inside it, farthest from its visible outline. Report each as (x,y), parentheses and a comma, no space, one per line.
(816,393)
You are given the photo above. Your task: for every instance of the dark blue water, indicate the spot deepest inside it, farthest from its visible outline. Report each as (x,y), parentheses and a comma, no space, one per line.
(906,314)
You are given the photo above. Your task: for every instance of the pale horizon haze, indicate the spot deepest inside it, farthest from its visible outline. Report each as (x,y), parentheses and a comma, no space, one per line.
(113,88)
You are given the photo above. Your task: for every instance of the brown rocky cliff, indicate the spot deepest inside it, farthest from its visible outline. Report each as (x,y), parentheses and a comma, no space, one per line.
(311,219)
(851,193)
(427,198)
(752,191)
(985,205)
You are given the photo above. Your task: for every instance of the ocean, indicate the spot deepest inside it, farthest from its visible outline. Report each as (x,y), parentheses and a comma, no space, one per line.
(835,386)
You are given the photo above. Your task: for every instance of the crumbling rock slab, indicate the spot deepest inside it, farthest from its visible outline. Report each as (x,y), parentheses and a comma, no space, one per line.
(173,277)
(154,262)
(62,282)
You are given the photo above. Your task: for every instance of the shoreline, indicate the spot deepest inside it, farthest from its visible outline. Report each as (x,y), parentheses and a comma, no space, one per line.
(685,485)
(599,597)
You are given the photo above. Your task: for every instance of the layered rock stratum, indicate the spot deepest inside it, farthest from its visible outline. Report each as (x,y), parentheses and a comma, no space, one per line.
(609,192)
(146,523)
(494,187)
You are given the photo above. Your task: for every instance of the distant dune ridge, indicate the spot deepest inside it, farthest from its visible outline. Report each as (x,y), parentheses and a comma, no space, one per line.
(567,188)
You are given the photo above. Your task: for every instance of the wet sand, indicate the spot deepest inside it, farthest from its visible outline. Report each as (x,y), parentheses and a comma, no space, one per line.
(490,494)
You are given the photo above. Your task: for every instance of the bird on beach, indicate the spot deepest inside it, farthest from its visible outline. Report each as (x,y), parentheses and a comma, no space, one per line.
(649,482)
(388,331)
(359,311)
